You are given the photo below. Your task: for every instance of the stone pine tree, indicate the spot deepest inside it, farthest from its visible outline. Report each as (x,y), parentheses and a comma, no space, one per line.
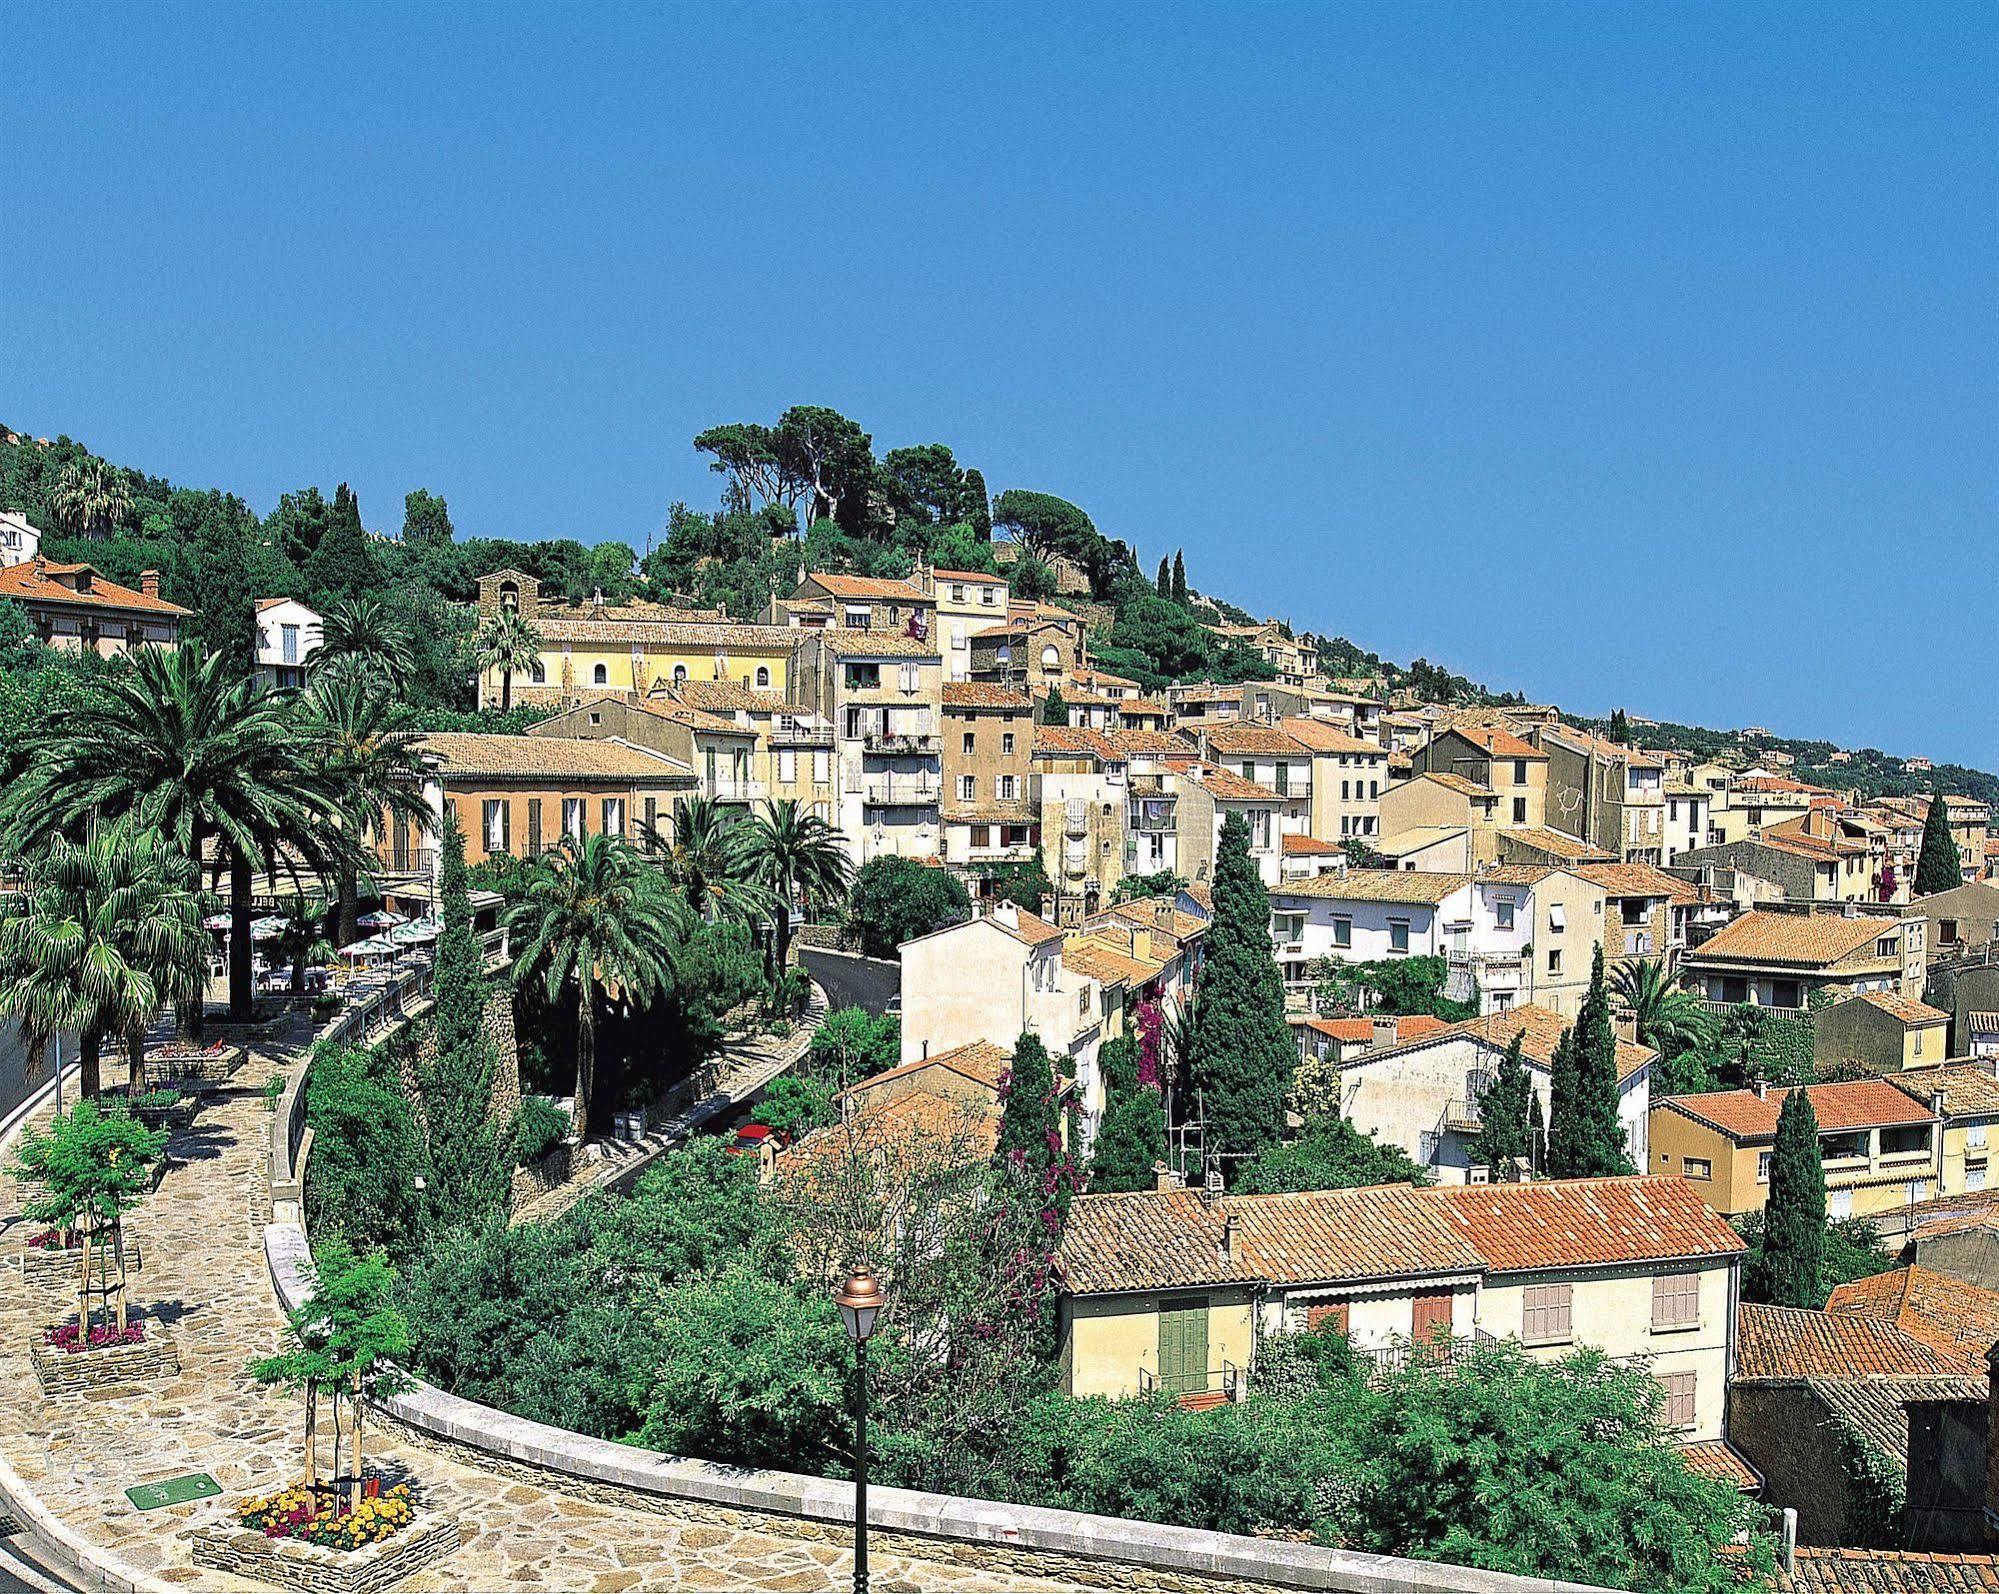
(1939,867)
(1785,1272)
(1585,1138)
(1505,1113)
(455,1071)
(1179,578)
(1241,1053)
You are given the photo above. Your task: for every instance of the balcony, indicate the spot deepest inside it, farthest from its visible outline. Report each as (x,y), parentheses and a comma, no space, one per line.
(897,742)
(726,790)
(896,791)
(1723,1009)
(1442,1351)
(1214,1387)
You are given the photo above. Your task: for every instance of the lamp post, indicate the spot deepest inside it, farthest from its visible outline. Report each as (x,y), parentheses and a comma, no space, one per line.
(860,1300)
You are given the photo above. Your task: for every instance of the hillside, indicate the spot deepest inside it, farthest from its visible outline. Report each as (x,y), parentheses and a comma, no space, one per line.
(864,513)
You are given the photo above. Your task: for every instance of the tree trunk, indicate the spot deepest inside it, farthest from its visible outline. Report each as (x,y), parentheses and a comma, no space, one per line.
(83,1236)
(311,1434)
(89,1049)
(135,1058)
(118,1261)
(347,928)
(506,688)
(354,1488)
(586,1060)
(240,886)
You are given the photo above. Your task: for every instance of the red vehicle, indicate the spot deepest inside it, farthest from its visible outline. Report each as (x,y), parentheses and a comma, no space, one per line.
(753,1137)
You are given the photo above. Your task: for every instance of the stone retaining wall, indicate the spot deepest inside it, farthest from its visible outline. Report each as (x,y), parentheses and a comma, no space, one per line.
(57,1269)
(549,1174)
(62,1372)
(292,1563)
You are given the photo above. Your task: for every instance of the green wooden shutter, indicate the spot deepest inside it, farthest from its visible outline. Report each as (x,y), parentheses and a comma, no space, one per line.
(1183,1345)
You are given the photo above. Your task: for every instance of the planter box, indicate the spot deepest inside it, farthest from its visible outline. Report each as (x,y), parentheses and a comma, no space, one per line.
(195,1070)
(292,1563)
(57,1269)
(62,1372)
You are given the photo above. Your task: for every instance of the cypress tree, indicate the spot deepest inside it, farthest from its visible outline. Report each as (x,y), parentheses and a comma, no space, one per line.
(1030,1138)
(343,565)
(1054,709)
(1620,726)
(1786,1270)
(1241,1055)
(1505,1130)
(1036,1179)
(1165,581)
(1585,1139)
(1132,1136)
(455,1073)
(1939,866)
(977,506)
(1179,579)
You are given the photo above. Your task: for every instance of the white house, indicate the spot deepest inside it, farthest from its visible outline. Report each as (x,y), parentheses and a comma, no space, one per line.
(1364,915)
(20,542)
(288,634)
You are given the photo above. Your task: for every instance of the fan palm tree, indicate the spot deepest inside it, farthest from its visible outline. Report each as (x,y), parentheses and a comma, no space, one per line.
(1670,1018)
(700,849)
(368,768)
(362,631)
(88,499)
(301,937)
(799,859)
(596,920)
(193,751)
(102,931)
(508,642)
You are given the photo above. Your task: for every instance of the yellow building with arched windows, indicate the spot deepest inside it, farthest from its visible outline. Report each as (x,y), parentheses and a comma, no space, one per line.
(628,648)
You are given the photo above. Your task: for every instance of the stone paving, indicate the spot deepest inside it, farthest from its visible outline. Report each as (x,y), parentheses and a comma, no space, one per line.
(205,1275)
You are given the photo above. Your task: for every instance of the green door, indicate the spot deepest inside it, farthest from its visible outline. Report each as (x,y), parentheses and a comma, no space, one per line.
(1183,1345)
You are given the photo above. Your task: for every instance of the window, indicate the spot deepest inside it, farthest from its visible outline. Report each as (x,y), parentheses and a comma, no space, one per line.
(1905,1139)
(862,677)
(537,672)
(1679,1388)
(1554,960)
(289,633)
(1051,657)
(982,835)
(614,816)
(1885,947)
(534,826)
(572,817)
(1918,1190)
(1699,1168)
(1519,771)
(822,766)
(1974,1137)
(763,675)
(652,816)
(857,619)
(1343,932)
(1520,810)
(1006,791)
(1006,744)
(1398,935)
(600,676)
(1345,794)
(1839,1203)
(787,766)
(1676,1300)
(496,825)
(1545,1314)
(1919,1043)
(1287,926)
(968,788)
(957,592)
(1762,1167)
(1558,917)
(911,679)
(971,741)
(988,596)
(1502,913)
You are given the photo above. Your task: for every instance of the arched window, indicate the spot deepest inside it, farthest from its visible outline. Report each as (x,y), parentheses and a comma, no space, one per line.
(763,675)
(537,673)
(1051,657)
(680,675)
(510,594)
(601,676)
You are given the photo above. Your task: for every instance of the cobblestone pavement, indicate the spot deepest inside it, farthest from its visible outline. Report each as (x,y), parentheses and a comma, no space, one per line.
(205,1280)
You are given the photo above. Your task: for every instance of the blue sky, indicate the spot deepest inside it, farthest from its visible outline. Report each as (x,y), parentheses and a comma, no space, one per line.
(1626,355)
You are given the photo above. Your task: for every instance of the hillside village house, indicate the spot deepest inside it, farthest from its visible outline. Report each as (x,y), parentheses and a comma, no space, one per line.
(288,634)
(1647,912)
(1964,917)
(1749,803)
(1306,856)
(20,540)
(1878,1141)
(1492,759)
(1966,1097)
(518,796)
(990,817)
(75,610)
(1271,758)
(966,601)
(1204,796)
(1881,1031)
(1168,1290)
(859,603)
(1688,811)
(1348,774)
(719,752)
(1777,959)
(794,750)
(1806,868)
(1340,1040)
(1609,795)
(1532,844)
(1022,984)
(883,694)
(1294,660)
(628,648)
(1081,778)
(1421,1093)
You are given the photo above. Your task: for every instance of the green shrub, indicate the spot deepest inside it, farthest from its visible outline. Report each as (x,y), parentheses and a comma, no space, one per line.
(538,1128)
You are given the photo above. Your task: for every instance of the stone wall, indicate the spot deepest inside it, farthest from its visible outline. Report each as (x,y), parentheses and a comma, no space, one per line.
(530,1184)
(499,1027)
(72,1372)
(291,1563)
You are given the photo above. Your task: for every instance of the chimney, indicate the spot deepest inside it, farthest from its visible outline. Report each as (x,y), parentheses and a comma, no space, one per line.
(1383,1033)
(1006,915)
(149,583)
(1211,1184)
(1229,1242)
(1164,1178)
(1936,1104)
(1162,916)
(1141,945)
(1762,1089)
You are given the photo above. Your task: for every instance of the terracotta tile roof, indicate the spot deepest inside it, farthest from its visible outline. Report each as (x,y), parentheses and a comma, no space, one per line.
(726,696)
(1030,929)
(1820,1571)
(468,755)
(1744,1116)
(1540,1030)
(982,576)
(1956,1223)
(1090,677)
(1309,847)
(1905,1008)
(978,694)
(1801,845)
(1102,963)
(1070,739)
(681,713)
(1969,1203)
(1500,743)
(707,638)
(1717,1459)
(981,1062)
(1417,838)
(1587,742)
(1185,926)
(1959,1319)
(1416,887)
(1457,783)
(1638,880)
(866,587)
(1554,843)
(272,603)
(1810,940)
(873,644)
(36,581)
(1789,1342)
(1129,739)
(1584,1222)
(1359,1031)
(1968,1088)
(1520,874)
(1246,738)
(1144,705)
(1322,736)
(915,1125)
(1877,1409)
(993,813)
(1226,784)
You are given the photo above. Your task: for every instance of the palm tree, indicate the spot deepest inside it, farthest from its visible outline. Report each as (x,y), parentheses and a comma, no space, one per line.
(368,767)
(1670,1018)
(596,919)
(799,859)
(301,937)
(88,499)
(700,849)
(362,631)
(191,750)
(101,932)
(508,642)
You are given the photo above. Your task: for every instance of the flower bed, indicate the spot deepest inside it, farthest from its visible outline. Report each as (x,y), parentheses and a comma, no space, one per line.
(183,1064)
(64,1337)
(296,1513)
(168,1107)
(70,1368)
(379,1559)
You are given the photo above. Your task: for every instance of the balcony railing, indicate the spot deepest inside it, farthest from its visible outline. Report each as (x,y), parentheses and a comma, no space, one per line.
(898,742)
(1228,1380)
(1441,1350)
(895,791)
(1723,1009)
(726,790)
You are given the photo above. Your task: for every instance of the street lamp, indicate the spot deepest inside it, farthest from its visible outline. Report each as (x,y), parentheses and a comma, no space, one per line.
(860,1301)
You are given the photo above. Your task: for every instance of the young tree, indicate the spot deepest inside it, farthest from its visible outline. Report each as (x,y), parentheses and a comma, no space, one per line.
(1330,1155)
(1054,709)
(1939,867)
(1242,1053)
(1504,1139)
(89,499)
(92,1168)
(897,899)
(301,940)
(1180,578)
(1036,1176)
(509,643)
(797,860)
(363,633)
(1787,1267)
(455,1073)
(1585,1138)
(1670,1019)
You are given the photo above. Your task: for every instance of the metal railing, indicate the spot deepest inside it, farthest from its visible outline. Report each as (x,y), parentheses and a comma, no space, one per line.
(1228,1380)
(889,790)
(1723,1009)
(1441,1350)
(895,742)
